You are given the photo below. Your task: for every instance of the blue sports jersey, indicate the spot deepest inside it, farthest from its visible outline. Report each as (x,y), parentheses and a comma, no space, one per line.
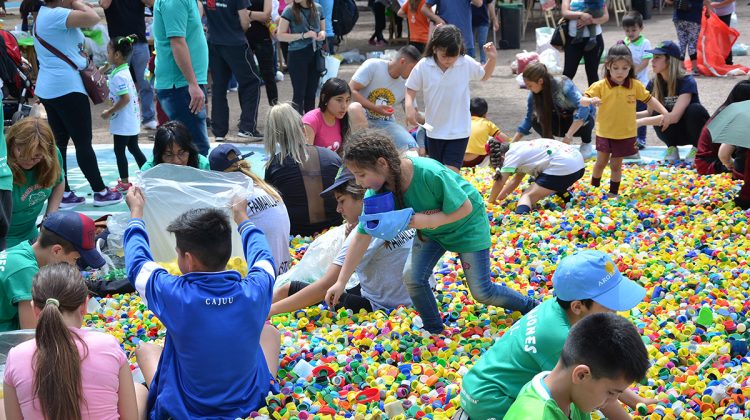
(212,365)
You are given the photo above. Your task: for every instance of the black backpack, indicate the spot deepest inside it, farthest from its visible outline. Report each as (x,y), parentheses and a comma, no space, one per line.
(345,15)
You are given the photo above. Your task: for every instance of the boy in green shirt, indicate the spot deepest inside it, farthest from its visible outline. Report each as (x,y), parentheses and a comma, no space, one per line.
(584,283)
(66,236)
(602,356)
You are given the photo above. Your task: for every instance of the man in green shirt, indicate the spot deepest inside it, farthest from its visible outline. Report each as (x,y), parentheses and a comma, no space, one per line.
(584,283)
(6,187)
(65,237)
(602,356)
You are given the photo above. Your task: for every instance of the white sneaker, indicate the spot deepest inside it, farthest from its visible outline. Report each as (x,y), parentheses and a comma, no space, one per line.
(220,139)
(150,125)
(672,154)
(587,151)
(691,155)
(279,76)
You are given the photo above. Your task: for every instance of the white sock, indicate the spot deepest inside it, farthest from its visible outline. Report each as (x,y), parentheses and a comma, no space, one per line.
(104,191)
(67,194)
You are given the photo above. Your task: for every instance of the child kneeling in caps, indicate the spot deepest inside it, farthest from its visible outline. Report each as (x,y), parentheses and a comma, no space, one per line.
(555,166)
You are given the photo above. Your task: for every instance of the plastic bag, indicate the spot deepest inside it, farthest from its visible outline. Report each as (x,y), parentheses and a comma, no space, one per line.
(332,70)
(317,258)
(525,58)
(543,37)
(96,43)
(551,58)
(714,43)
(172,190)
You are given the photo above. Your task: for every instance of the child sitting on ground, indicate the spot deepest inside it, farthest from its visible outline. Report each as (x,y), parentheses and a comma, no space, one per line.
(602,356)
(585,283)
(482,129)
(220,358)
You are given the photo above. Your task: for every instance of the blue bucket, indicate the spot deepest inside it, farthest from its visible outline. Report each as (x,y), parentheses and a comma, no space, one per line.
(379,203)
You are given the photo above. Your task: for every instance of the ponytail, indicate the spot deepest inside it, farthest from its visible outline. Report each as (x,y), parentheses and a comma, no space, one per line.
(363,150)
(57,384)
(124,45)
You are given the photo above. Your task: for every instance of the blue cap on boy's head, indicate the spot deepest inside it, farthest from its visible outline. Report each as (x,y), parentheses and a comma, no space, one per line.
(343,176)
(593,275)
(666,48)
(80,231)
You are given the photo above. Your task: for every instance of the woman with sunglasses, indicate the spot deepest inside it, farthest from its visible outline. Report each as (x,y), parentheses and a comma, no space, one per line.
(174,144)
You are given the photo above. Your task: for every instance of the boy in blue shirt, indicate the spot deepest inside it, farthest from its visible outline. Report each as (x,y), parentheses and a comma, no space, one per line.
(602,356)
(219,358)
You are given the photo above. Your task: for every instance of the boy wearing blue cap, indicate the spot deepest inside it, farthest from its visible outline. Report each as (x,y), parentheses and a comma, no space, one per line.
(602,356)
(220,358)
(585,283)
(65,236)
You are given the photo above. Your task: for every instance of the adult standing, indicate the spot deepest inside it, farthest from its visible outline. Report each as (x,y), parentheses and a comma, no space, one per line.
(61,90)
(228,54)
(724,10)
(481,18)
(182,66)
(125,17)
(678,92)
(687,23)
(454,12)
(377,86)
(259,39)
(302,25)
(553,108)
(578,20)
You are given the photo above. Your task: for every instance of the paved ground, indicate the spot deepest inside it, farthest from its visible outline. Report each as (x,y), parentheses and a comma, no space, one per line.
(506,100)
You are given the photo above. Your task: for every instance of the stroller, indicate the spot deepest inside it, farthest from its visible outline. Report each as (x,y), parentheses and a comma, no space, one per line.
(14,73)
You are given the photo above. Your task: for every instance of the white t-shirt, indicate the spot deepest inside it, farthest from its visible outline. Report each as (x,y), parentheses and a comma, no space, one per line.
(380,88)
(271,217)
(446,95)
(382,270)
(579,6)
(547,156)
(126,121)
(638,51)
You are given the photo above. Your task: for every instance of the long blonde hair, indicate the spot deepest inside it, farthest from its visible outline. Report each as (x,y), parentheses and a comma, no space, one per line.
(663,88)
(285,132)
(31,135)
(245,167)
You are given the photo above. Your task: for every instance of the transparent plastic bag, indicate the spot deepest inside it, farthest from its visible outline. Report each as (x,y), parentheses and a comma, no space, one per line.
(317,258)
(172,190)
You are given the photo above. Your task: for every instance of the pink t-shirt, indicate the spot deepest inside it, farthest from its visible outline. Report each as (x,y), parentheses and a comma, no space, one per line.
(99,375)
(328,136)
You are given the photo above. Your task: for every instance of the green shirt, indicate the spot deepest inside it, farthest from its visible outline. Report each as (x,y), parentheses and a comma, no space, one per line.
(178,19)
(6,176)
(435,187)
(28,201)
(17,269)
(534,402)
(202,163)
(531,345)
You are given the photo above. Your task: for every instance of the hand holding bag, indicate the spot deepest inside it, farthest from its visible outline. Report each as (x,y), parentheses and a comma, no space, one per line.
(93,81)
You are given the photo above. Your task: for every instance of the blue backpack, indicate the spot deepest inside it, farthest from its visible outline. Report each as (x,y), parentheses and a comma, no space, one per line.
(345,15)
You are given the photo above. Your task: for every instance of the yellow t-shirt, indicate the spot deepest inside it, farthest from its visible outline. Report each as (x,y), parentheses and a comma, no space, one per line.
(481,130)
(615,118)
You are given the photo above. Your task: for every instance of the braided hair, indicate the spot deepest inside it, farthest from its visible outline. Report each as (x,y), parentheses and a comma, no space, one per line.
(498,149)
(363,150)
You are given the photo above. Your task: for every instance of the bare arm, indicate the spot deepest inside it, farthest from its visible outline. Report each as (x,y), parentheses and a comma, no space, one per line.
(283,35)
(725,155)
(12,406)
(477,3)
(181,55)
(572,130)
(244,19)
(263,16)
(309,134)
(308,296)
(82,16)
(105,4)
(53,204)
(147,3)
(427,11)
(26,317)
(435,220)
(493,18)
(126,402)
(411,110)
(357,248)
(489,66)
(644,63)
(509,187)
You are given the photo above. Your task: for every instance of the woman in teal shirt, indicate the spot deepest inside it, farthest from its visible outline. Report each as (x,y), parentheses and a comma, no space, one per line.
(36,164)
(174,144)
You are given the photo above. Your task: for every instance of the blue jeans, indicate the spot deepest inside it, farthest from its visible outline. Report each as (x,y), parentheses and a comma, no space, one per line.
(139,61)
(426,254)
(640,106)
(403,140)
(176,104)
(480,37)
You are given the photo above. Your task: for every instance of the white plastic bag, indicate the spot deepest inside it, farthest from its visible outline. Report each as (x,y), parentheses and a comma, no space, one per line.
(172,190)
(543,37)
(551,59)
(317,258)
(332,70)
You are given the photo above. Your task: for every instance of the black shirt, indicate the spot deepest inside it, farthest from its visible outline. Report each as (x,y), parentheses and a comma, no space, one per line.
(288,180)
(125,17)
(258,31)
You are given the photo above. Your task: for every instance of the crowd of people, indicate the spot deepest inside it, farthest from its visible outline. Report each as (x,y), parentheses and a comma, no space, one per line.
(327,164)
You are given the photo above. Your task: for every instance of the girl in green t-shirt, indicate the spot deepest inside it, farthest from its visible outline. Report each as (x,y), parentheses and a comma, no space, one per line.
(450,216)
(37,176)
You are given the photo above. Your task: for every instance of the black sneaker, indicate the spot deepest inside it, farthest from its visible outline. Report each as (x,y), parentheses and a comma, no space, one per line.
(250,134)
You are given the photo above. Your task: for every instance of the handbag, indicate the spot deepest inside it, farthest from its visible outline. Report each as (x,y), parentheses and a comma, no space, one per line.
(93,81)
(320,61)
(560,34)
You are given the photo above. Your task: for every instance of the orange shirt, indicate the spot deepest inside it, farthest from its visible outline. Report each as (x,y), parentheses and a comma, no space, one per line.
(419,25)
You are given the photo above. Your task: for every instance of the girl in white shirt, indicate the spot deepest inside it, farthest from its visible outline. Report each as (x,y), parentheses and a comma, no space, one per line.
(443,77)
